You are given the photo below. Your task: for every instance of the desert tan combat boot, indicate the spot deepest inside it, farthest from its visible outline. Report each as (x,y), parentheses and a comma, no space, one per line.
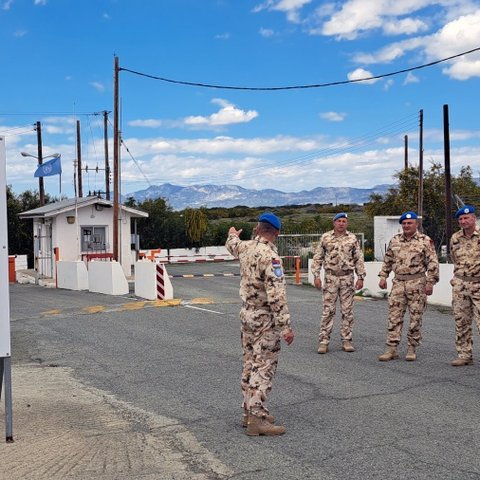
(390,354)
(269,418)
(461,362)
(259,426)
(411,356)
(322,348)
(347,346)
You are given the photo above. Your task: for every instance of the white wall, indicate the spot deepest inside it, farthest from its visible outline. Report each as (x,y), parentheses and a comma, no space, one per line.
(384,229)
(442,291)
(66,236)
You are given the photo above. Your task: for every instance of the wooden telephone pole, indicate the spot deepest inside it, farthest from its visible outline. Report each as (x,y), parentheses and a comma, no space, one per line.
(420,173)
(116,163)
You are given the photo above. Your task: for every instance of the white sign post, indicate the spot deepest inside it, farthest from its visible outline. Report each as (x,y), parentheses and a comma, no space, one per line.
(5,355)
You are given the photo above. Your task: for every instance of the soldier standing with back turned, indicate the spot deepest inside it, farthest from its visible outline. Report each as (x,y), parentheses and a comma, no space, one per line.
(265,319)
(412,258)
(339,253)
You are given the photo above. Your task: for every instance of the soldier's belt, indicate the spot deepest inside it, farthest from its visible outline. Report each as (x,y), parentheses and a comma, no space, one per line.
(339,273)
(413,276)
(467,279)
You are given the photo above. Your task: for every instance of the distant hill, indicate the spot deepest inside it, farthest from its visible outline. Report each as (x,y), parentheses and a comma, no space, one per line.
(228,196)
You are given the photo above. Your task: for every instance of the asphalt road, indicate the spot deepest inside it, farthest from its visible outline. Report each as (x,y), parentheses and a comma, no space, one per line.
(347,414)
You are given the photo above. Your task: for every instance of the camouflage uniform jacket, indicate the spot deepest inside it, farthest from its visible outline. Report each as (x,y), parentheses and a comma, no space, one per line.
(262,284)
(466,253)
(411,257)
(338,253)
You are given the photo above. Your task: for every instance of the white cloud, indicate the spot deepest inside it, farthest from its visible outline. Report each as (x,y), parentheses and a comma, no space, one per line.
(360,73)
(333,116)
(390,52)
(290,7)
(106,16)
(266,32)
(148,123)
(391,16)
(98,86)
(411,78)
(459,35)
(388,84)
(40,2)
(19,33)
(227,115)
(7,5)
(223,36)
(406,26)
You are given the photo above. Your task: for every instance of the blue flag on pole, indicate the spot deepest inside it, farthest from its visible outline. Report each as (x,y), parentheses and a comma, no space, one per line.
(52,167)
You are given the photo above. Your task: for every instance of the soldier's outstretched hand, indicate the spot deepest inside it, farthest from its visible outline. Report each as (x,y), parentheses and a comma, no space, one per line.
(234,231)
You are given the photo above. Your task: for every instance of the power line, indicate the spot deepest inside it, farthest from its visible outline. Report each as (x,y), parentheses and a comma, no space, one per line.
(354,145)
(298,87)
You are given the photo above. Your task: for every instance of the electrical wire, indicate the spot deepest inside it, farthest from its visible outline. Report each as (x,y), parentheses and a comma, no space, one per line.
(298,87)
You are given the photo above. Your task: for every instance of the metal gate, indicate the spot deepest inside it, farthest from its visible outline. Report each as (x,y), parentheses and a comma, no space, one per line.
(302,245)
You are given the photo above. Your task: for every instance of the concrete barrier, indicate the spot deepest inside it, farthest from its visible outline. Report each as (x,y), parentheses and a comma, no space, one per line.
(442,291)
(72,275)
(148,286)
(107,277)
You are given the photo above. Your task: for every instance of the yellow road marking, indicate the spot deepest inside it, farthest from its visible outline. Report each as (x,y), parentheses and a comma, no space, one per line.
(167,303)
(202,301)
(94,309)
(52,312)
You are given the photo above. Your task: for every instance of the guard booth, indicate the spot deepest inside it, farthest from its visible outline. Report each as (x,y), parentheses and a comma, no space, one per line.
(80,229)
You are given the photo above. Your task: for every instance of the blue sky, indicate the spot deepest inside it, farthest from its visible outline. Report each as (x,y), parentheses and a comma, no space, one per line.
(57,68)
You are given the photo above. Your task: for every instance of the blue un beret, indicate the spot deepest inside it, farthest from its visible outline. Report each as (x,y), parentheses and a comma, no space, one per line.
(408,216)
(465,210)
(340,215)
(270,218)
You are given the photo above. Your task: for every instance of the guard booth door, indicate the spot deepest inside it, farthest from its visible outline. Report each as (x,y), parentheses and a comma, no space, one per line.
(43,250)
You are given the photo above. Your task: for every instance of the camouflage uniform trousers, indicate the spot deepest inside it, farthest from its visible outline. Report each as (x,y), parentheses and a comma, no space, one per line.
(261,348)
(337,287)
(466,307)
(411,294)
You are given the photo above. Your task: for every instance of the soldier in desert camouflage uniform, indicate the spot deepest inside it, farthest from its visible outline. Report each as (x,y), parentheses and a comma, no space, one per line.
(264,316)
(339,253)
(411,256)
(465,252)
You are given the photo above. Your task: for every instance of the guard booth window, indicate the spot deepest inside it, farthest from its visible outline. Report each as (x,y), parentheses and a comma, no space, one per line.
(94,239)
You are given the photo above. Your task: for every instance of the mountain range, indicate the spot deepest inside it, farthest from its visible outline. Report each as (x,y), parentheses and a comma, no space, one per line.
(227,196)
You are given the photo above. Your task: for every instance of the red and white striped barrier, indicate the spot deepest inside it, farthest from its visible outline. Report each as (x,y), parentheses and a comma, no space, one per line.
(152,281)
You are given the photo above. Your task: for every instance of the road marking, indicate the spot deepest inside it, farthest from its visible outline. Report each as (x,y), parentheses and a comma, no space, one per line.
(203,309)
(52,312)
(94,309)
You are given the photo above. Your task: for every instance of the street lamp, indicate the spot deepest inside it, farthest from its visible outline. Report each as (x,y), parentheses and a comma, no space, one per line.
(40,159)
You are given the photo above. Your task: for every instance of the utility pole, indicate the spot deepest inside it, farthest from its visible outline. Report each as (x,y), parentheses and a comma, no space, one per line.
(107,166)
(79,161)
(420,173)
(116,144)
(406,151)
(448,180)
(41,184)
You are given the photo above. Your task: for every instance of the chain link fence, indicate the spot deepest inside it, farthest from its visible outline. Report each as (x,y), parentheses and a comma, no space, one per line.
(302,245)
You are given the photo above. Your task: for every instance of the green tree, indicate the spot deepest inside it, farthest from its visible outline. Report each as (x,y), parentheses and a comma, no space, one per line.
(404,196)
(196,225)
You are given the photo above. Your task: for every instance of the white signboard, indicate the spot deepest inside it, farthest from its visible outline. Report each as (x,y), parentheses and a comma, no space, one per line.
(4,288)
